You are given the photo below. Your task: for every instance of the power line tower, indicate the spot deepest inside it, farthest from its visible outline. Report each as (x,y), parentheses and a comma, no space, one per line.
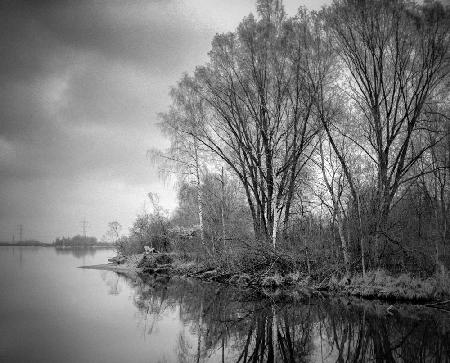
(20,227)
(84,225)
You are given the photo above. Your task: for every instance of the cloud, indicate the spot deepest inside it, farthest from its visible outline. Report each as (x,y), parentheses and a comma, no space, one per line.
(78,100)
(81,84)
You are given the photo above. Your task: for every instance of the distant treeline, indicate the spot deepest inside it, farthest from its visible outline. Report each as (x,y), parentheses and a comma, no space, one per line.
(78,241)
(24,243)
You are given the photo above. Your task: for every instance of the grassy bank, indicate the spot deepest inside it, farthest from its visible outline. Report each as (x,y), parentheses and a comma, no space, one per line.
(381,285)
(266,276)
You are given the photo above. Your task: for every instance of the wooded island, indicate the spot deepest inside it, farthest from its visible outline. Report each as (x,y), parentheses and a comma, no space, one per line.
(314,149)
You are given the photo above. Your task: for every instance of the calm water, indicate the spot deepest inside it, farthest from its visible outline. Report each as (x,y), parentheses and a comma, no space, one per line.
(51,311)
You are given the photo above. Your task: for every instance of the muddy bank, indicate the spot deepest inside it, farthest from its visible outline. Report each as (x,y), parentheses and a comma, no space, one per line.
(111,267)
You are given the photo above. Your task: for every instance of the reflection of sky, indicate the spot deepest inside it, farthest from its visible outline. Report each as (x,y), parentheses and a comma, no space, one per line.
(80,252)
(52,311)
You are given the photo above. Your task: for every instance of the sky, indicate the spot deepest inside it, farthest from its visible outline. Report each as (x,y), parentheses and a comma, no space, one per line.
(82,83)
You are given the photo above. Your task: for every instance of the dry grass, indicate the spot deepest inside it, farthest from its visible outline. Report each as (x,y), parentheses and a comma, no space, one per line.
(271,271)
(380,284)
(185,267)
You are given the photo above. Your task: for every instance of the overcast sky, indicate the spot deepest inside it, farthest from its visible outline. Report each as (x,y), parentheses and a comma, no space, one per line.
(81,84)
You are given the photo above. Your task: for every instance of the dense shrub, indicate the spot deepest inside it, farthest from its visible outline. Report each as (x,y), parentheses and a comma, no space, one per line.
(128,246)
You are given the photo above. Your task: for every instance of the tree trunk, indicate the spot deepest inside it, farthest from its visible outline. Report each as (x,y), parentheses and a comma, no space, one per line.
(344,243)
(437,240)
(361,235)
(308,266)
(276,218)
(199,194)
(222,208)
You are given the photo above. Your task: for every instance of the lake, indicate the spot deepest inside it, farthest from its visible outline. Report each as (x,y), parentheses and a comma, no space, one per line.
(52,311)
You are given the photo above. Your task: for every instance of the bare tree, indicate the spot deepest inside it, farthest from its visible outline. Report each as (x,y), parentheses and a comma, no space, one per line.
(113,231)
(184,153)
(396,56)
(433,173)
(256,95)
(334,181)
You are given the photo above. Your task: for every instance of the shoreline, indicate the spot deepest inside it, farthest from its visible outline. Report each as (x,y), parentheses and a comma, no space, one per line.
(42,244)
(295,294)
(272,285)
(109,267)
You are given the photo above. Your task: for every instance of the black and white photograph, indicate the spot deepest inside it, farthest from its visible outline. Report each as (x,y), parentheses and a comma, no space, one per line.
(224,181)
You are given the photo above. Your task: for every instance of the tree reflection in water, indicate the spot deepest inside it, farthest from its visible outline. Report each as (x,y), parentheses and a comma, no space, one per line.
(230,325)
(78,252)
(112,281)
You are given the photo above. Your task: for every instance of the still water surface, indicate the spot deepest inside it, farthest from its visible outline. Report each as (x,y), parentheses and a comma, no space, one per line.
(51,311)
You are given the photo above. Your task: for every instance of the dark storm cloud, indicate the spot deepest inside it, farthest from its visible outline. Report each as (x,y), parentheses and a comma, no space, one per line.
(78,100)
(81,84)
(71,63)
(138,31)
(25,43)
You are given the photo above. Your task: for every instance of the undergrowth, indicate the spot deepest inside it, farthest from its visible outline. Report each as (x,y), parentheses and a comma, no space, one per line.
(381,284)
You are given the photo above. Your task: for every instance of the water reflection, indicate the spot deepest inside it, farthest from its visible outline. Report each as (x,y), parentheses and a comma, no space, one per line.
(227,325)
(78,252)
(112,282)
